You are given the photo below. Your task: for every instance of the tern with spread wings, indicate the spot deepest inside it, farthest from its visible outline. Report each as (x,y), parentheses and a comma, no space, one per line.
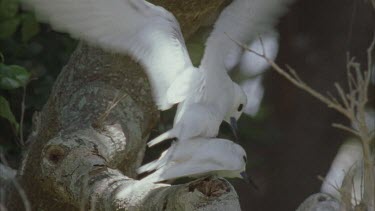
(151,35)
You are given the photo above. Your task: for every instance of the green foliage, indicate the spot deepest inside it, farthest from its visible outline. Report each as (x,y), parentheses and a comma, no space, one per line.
(13,76)
(6,112)
(11,19)
(8,8)
(8,27)
(30,27)
(33,49)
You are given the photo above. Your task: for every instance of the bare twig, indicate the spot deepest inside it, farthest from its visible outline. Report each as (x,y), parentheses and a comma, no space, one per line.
(332,98)
(296,81)
(342,95)
(261,43)
(348,129)
(22,116)
(18,187)
(23,107)
(352,106)
(99,122)
(295,75)
(334,186)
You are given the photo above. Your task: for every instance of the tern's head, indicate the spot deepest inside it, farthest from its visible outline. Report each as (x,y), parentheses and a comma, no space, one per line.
(237,108)
(238,159)
(241,172)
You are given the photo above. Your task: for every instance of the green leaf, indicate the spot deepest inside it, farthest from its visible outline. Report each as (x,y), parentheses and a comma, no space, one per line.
(29,27)
(8,27)
(13,76)
(6,113)
(2,58)
(8,8)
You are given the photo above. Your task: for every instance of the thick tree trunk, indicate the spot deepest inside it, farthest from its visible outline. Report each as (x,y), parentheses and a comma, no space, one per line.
(90,138)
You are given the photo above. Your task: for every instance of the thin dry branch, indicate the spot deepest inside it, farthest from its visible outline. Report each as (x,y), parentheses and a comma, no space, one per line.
(100,121)
(352,106)
(346,128)
(294,79)
(22,142)
(334,186)
(15,183)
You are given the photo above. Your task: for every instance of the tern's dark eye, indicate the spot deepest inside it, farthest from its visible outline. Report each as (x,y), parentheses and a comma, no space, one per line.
(240,107)
(244,159)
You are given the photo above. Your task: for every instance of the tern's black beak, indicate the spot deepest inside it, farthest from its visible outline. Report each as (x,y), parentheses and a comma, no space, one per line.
(245,177)
(249,181)
(234,127)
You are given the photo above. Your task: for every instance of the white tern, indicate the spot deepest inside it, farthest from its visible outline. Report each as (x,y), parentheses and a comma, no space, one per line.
(152,36)
(241,21)
(198,157)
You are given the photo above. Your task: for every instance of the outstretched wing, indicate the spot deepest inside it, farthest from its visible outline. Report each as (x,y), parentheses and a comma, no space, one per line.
(178,170)
(243,21)
(149,33)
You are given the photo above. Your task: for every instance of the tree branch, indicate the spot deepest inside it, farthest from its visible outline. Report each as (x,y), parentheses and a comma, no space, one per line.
(91,135)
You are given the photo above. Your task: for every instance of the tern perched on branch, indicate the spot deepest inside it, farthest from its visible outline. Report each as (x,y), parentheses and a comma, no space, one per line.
(150,34)
(198,157)
(243,21)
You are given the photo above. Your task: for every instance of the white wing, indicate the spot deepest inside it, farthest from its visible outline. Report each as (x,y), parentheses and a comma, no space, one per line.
(187,169)
(242,21)
(147,32)
(349,158)
(196,157)
(252,65)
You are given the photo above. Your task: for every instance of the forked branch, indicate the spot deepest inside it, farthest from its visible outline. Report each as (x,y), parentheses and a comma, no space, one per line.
(351,104)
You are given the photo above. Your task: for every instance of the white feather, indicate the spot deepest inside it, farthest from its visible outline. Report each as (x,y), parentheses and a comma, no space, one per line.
(242,21)
(196,157)
(195,120)
(252,64)
(147,32)
(349,157)
(254,91)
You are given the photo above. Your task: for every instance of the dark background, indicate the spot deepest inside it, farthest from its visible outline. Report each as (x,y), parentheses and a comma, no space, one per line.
(290,142)
(315,37)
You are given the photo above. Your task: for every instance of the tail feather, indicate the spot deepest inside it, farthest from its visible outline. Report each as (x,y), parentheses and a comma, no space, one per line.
(153,178)
(160,162)
(157,176)
(160,138)
(148,167)
(153,165)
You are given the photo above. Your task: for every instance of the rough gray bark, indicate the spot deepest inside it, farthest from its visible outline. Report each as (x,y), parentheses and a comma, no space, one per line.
(90,137)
